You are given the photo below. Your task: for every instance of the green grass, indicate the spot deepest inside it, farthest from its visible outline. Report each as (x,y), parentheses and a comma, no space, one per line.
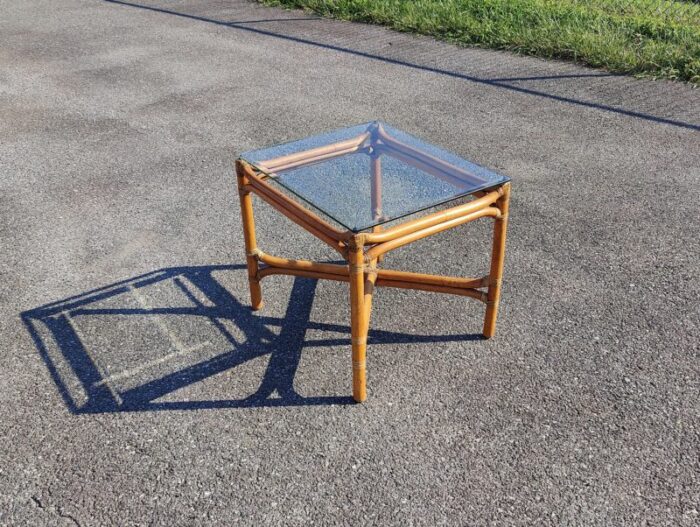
(657,38)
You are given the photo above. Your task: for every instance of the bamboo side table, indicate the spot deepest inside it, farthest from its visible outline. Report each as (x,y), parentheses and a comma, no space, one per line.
(360,178)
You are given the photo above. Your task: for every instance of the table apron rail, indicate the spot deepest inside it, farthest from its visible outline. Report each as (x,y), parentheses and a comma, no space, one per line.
(395,243)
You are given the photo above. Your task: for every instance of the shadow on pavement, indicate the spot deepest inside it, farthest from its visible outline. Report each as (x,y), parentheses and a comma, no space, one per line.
(498,82)
(125,346)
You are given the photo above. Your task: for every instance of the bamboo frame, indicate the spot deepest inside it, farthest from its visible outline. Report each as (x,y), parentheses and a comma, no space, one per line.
(427,159)
(364,251)
(314,155)
(498,253)
(376,192)
(251,244)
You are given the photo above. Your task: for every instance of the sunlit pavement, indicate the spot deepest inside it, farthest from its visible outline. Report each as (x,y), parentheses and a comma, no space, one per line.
(138,388)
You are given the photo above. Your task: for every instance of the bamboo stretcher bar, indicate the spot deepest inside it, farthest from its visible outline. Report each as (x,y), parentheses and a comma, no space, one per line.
(267,271)
(302,265)
(275,163)
(434,219)
(472,293)
(395,243)
(387,275)
(378,278)
(398,145)
(373,275)
(379,282)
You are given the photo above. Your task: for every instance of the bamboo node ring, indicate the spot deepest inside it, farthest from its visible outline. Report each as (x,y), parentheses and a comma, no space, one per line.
(358,341)
(359,364)
(357,269)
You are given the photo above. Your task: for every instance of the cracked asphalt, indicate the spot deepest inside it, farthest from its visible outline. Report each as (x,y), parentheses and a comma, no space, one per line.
(136,386)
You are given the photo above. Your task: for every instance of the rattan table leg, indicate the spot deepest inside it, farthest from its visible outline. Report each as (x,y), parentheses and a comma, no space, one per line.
(249,238)
(376,194)
(498,253)
(358,322)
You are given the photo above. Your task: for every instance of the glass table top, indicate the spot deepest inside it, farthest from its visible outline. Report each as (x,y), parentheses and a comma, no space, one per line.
(370,174)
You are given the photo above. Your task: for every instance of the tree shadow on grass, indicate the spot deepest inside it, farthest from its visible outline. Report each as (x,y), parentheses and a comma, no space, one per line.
(126,346)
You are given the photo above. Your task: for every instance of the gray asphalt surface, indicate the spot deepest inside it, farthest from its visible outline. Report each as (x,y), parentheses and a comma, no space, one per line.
(162,400)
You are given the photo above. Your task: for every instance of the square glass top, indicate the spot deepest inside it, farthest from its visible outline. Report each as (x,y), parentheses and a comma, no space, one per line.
(370,174)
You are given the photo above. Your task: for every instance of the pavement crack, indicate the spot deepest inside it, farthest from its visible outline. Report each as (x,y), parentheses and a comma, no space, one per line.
(70,517)
(55,510)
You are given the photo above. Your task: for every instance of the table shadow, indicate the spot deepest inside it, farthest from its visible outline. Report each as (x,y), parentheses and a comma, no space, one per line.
(73,337)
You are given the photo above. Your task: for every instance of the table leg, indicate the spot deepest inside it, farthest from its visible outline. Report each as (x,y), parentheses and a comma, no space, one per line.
(376,192)
(249,236)
(358,322)
(498,252)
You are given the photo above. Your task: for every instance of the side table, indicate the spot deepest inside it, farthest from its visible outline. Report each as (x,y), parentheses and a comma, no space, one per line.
(344,187)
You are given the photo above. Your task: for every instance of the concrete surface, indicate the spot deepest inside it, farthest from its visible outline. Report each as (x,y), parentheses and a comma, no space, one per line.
(162,400)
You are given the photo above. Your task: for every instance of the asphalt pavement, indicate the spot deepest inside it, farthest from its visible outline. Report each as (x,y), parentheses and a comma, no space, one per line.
(136,386)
